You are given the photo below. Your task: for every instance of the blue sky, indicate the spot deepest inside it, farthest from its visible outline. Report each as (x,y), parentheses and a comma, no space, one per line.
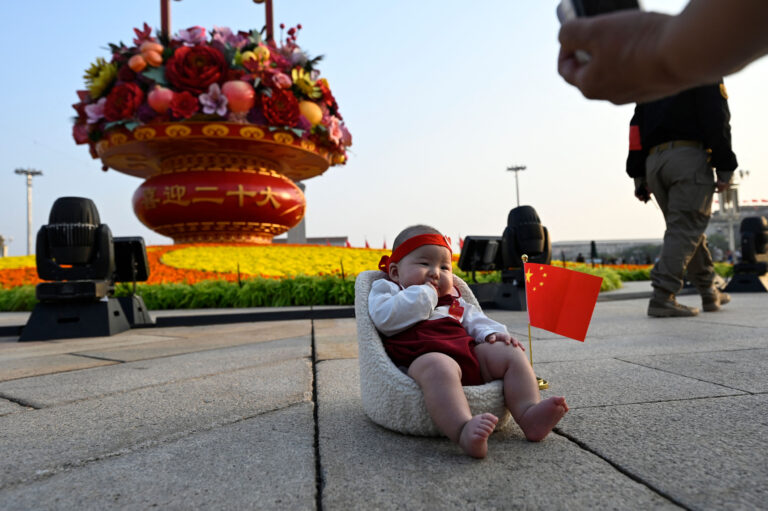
(440,98)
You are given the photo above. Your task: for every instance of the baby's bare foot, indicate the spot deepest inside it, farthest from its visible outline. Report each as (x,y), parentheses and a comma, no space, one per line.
(541,418)
(473,438)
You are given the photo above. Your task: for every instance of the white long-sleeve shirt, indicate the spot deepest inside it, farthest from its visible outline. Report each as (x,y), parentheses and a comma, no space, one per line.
(393,310)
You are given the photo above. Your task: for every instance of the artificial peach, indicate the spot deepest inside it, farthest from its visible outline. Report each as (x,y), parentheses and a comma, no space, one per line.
(150,46)
(240,95)
(137,63)
(153,58)
(160,98)
(261,52)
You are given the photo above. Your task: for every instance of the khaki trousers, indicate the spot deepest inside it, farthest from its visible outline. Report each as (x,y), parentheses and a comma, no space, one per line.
(682,181)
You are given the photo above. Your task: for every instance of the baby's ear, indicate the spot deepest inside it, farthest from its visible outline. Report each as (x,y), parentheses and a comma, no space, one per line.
(394,276)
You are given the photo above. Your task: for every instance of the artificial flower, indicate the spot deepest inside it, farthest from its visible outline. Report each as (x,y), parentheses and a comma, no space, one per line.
(143,36)
(183,105)
(214,102)
(195,68)
(304,82)
(224,37)
(281,80)
(192,35)
(95,111)
(328,98)
(281,108)
(123,101)
(334,131)
(99,77)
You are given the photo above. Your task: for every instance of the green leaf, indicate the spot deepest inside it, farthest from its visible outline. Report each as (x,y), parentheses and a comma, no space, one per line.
(157,74)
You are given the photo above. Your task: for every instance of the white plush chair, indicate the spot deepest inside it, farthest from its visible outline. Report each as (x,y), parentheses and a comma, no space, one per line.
(393,399)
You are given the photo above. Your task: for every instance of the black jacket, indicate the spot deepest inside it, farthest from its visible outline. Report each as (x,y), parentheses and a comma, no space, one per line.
(699,114)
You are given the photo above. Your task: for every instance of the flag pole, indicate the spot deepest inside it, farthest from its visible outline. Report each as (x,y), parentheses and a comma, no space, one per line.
(543,384)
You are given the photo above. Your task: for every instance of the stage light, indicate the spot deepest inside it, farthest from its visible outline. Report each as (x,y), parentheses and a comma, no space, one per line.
(77,255)
(750,275)
(524,234)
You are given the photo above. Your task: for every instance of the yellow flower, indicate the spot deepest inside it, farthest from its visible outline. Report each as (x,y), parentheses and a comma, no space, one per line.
(304,82)
(99,77)
(275,260)
(12,263)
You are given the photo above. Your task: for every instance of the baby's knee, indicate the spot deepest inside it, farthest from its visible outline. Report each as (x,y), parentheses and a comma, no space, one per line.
(434,366)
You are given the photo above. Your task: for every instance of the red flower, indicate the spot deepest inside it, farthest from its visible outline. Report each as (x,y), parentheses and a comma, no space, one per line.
(281,108)
(123,101)
(183,105)
(194,68)
(328,98)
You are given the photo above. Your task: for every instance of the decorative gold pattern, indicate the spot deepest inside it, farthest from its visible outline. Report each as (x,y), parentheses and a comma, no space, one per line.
(118,138)
(144,133)
(230,232)
(251,132)
(219,161)
(284,138)
(215,130)
(308,145)
(178,130)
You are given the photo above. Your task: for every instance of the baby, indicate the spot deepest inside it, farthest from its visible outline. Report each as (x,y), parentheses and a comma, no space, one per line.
(444,342)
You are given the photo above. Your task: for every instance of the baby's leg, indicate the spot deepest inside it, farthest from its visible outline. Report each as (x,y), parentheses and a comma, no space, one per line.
(521,390)
(439,377)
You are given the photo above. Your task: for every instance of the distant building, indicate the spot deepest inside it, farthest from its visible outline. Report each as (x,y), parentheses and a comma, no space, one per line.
(605,248)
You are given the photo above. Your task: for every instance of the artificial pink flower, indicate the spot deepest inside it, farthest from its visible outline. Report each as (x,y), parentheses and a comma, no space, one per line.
(334,130)
(225,37)
(95,111)
(192,35)
(214,102)
(281,80)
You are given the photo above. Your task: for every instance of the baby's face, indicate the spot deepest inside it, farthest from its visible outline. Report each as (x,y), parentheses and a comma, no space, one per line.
(428,264)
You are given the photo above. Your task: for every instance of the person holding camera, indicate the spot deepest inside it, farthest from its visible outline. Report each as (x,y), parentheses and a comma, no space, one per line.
(674,143)
(640,56)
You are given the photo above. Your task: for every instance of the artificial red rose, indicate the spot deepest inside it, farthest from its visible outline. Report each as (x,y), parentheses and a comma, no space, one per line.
(123,101)
(194,68)
(281,108)
(184,105)
(80,133)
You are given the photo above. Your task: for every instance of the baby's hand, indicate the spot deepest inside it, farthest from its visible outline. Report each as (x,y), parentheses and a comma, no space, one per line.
(503,336)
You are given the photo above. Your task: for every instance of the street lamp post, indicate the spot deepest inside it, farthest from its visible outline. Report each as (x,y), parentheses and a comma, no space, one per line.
(29,173)
(516,169)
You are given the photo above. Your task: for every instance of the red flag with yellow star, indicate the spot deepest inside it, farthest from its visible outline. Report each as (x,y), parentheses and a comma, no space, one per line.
(560,300)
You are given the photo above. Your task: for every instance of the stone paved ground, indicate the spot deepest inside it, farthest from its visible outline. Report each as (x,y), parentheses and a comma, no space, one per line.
(665,413)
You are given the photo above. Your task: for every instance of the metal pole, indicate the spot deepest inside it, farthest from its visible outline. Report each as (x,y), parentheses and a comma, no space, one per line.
(29,173)
(516,169)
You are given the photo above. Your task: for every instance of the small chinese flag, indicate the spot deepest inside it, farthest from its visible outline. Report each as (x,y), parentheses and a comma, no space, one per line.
(461,242)
(347,244)
(560,300)
(366,244)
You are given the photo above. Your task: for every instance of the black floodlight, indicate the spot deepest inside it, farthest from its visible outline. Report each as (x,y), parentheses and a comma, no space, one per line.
(77,255)
(750,275)
(524,235)
(481,253)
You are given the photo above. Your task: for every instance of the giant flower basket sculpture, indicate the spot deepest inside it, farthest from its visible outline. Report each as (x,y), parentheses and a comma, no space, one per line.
(220,128)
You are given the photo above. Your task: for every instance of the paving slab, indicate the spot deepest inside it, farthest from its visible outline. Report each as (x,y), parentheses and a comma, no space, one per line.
(744,370)
(191,339)
(7,407)
(365,466)
(60,388)
(265,462)
(704,453)
(608,382)
(335,338)
(50,439)
(26,367)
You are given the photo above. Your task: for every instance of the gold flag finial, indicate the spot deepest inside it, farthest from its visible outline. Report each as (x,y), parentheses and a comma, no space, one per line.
(524,258)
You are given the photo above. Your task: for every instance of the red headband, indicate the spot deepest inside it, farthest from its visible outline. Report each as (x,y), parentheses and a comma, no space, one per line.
(412,244)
